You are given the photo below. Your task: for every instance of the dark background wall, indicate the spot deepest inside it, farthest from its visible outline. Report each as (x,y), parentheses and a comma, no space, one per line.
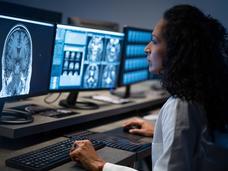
(141,13)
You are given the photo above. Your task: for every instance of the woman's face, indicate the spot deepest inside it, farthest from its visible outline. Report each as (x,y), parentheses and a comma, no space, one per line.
(156,49)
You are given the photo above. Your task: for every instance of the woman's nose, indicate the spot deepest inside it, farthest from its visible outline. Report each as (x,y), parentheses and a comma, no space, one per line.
(147,49)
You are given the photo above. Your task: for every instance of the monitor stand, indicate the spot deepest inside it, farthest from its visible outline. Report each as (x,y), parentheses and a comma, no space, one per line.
(10,116)
(71,102)
(128,93)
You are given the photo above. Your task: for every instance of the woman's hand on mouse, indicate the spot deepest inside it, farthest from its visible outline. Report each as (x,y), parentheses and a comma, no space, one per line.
(85,154)
(145,127)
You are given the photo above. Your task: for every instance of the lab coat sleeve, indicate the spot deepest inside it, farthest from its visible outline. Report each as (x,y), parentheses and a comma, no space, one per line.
(179,137)
(114,167)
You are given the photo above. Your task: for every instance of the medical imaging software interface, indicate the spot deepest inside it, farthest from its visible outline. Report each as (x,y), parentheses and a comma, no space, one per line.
(135,64)
(25,56)
(85,58)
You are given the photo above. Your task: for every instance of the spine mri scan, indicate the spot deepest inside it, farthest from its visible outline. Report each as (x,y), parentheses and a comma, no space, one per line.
(16,62)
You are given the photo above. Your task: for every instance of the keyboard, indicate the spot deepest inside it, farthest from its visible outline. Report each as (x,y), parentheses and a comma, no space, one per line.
(113,141)
(48,157)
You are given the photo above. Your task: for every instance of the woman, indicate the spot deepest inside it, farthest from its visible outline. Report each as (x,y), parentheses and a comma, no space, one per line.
(189,51)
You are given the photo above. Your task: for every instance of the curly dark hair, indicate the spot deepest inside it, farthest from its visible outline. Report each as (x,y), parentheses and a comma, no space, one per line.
(195,67)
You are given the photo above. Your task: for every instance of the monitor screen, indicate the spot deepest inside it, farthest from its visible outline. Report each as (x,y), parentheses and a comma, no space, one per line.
(134,65)
(85,59)
(26,55)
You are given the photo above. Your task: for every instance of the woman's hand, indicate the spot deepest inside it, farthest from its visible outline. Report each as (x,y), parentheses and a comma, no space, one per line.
(86,155)
(145,128)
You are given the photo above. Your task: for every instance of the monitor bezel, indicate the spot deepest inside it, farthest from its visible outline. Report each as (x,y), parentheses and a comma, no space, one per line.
(125,42)
(14,98)
(90,89)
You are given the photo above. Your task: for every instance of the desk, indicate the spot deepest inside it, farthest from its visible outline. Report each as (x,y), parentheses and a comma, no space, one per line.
(46,124)
(118,156)
(108,154)
(115,128)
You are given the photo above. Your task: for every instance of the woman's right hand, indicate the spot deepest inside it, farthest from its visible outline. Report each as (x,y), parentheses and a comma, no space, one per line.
(145,127)
(84,153)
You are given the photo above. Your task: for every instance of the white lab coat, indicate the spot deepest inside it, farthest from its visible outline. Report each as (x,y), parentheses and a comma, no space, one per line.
(181,141)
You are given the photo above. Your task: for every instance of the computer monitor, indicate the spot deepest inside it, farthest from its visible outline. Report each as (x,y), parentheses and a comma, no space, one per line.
(84,59)
(134,65)
(25,59)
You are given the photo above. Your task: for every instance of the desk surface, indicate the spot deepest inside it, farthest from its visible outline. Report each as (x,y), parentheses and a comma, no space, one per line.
(108,154)
(117,156)
(44,123)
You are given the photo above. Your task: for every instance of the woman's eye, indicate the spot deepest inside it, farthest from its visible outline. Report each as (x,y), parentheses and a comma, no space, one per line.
(154,41)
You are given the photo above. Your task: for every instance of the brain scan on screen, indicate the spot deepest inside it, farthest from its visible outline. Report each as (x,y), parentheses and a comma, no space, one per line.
(113,50)
(17,62)
(109,76)
(88,59)
(95,49)
(91,76)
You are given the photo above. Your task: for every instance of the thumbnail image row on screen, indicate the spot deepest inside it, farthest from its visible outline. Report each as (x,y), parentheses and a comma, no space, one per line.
(136,64)
(139,36)
(135,76)
(135,50)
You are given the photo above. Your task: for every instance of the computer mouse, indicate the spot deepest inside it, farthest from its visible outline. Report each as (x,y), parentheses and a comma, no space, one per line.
(127,128)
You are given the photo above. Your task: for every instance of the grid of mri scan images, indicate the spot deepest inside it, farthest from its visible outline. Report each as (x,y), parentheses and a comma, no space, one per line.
(85,58)
(135,67)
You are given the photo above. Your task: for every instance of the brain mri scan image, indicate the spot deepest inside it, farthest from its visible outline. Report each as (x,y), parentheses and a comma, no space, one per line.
(109,76)
(113,50)
(16,62)
(91,76)
(95,49)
